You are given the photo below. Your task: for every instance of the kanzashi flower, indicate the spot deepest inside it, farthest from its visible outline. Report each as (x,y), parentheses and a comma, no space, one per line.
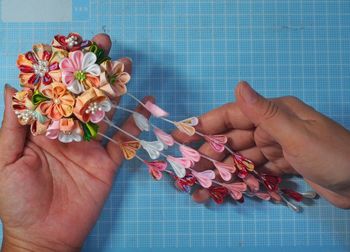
(70,43)
(92,106)
(27,113)
(113,78)
(79,71)
(59,101)
(39,66)
(66,130)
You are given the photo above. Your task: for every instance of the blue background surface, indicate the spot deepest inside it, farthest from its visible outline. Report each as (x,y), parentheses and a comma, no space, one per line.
(190,55)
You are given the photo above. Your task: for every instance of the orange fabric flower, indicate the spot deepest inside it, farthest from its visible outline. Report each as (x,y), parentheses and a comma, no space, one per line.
(60,103)
(40,66)
(113,78)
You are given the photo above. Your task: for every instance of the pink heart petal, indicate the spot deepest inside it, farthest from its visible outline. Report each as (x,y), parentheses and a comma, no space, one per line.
(165,138)
(229,167)
(189,153)
(155,168)
(158,165)
(155,110)
(182,161)
(76,59)
(67,77)
(225,174)
(236,189)
(67,66)
(204,178)
(217,142)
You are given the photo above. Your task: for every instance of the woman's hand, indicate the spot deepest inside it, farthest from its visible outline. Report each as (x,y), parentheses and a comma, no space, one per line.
(282,135)
(51,194)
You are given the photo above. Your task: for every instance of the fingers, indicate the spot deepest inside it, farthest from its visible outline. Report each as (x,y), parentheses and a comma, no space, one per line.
(129,126)
(217,121)
(334,198)
(12,134)
(103,41)
(277,121)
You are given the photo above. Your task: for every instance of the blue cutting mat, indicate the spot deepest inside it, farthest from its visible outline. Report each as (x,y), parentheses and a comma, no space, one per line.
(189,55)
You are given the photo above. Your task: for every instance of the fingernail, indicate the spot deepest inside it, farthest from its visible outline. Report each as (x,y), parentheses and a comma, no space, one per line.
(248,94)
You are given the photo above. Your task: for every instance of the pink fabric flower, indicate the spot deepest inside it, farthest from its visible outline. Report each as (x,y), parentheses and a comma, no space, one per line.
(79,71)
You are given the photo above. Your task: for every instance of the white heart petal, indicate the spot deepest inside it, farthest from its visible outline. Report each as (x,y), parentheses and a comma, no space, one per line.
(89,59)
(153,148)
(64,138)
(141,121)
(106,105)
(179,169)
(77,137)
(192,121)
(93,70)
(76,87)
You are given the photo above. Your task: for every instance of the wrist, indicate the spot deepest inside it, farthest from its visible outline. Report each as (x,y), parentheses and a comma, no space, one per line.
(12,243)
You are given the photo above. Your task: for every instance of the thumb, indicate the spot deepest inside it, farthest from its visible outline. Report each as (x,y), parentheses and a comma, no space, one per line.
(278,122)
(12,134)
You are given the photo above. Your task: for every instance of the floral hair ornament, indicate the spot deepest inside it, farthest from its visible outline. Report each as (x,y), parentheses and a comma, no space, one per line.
(69,86)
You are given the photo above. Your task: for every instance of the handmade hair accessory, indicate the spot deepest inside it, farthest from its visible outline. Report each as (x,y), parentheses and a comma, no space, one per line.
(68,88)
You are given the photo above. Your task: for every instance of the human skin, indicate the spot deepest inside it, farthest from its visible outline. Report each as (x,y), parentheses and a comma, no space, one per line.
(282,136)
(51,193)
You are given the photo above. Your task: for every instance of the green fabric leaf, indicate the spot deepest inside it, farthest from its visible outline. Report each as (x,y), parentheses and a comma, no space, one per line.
(38,98)
(90,130)
(99,52)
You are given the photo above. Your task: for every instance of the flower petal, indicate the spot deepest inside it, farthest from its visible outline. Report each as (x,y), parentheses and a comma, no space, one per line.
(76,59)
(89,60)
(141,121)
(76,87)
(97,116)
(53,130)
(94,70)
(67,77)
(66,65)
(155,110)
(205,177)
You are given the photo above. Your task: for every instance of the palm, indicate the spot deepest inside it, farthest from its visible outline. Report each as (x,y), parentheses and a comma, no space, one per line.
(62,186)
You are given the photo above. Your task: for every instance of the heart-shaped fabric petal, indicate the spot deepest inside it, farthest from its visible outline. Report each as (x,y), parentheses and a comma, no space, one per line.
(185,128)
(236,189)
(293,194)
(192,121)
(141,122)
(189,153)
(155,168)
(153,148)
(178,167)
(242,163)
(184,184)
(205,177)
(217,142)
(155,110)
(271,181)
(129,149)
(164,137)
(225,170)
(218,194)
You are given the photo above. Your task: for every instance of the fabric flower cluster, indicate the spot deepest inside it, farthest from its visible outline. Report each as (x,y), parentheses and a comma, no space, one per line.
(67,87)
